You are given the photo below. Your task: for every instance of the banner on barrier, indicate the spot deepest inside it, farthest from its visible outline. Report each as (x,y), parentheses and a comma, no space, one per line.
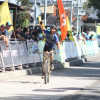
(14,53)
(22,50)
(32,48)
(5,53)
(6,56)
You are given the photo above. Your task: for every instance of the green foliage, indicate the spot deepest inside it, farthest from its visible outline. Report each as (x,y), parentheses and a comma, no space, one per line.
(25,3)
(23,16)
(23,19)
(94,3)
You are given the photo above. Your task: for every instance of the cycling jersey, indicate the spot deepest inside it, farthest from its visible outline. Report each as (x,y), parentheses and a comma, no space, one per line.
(51,40)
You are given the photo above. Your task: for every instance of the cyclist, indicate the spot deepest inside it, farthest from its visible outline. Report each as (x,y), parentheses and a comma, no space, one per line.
(51,40)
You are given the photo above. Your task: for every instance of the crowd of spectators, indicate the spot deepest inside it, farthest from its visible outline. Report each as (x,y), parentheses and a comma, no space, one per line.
(36,34)
(84,36)
(26,34)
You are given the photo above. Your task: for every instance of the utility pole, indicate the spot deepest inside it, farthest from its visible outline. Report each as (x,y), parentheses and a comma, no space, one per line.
(71,14)
(34,12)
(45,7)
(77,15)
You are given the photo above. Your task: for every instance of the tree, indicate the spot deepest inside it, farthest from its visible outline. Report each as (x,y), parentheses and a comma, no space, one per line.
(23,16)
(94,3)
(23,19)
(25,3)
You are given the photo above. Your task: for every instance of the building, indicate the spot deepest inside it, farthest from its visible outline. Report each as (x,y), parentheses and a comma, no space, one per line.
(13,10)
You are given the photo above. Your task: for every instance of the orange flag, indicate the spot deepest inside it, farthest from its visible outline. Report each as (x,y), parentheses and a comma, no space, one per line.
(63,20)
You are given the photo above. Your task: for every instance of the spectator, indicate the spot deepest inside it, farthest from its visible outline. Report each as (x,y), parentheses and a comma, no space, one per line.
(67,36)
(3,35)
(84,37)
(8,26)
(17,35)
(79,37)
(87,35)
(91,37)
(26,34)
(75,36)
(35,34)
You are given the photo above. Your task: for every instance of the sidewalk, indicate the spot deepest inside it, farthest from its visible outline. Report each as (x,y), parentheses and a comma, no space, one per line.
(63,83)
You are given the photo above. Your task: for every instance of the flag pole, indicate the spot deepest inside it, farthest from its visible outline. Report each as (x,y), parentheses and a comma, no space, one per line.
(71,14)
(45,7)
(78,17)
(34,12)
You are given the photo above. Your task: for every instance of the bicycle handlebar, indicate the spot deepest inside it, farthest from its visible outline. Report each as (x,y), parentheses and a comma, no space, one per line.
(49,52)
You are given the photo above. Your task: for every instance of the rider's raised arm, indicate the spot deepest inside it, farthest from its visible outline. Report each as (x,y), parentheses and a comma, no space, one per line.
(41,26)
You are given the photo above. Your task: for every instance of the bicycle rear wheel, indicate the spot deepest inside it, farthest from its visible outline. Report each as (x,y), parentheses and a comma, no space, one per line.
(47,68)
(48,77)
(46,72)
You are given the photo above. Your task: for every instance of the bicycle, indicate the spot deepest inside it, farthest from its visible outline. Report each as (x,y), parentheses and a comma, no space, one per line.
(47,69)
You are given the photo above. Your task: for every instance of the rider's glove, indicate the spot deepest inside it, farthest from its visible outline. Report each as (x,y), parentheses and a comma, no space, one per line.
(58,51)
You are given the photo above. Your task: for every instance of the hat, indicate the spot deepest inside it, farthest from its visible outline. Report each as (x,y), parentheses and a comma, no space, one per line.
(92,34)
(8,23)
(83,33)
(3,25)
(53,26)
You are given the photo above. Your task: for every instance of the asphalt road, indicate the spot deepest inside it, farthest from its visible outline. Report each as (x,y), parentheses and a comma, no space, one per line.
(91,92)
(74,83)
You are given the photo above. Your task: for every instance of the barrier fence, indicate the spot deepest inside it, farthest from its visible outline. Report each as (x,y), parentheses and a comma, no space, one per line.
(20,53)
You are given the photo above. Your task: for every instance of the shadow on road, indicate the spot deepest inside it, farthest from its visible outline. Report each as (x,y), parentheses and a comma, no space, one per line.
(81,97)
(54,97)
(87,70)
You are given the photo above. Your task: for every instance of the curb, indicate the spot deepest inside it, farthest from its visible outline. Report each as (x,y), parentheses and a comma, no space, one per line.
(73,63)
(35,68)
(28,71)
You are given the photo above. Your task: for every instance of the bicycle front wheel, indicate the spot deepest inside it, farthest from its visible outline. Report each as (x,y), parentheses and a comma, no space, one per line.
(46,74)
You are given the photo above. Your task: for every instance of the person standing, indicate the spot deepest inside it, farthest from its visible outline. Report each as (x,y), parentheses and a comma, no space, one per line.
(3,35)
(17,35)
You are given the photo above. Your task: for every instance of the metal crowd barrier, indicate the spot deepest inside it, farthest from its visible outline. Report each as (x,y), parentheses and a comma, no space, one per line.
(20,53)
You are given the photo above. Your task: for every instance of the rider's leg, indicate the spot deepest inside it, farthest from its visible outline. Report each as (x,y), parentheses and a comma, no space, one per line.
(45,49)
(43,66)
(51,62)
(42,70)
